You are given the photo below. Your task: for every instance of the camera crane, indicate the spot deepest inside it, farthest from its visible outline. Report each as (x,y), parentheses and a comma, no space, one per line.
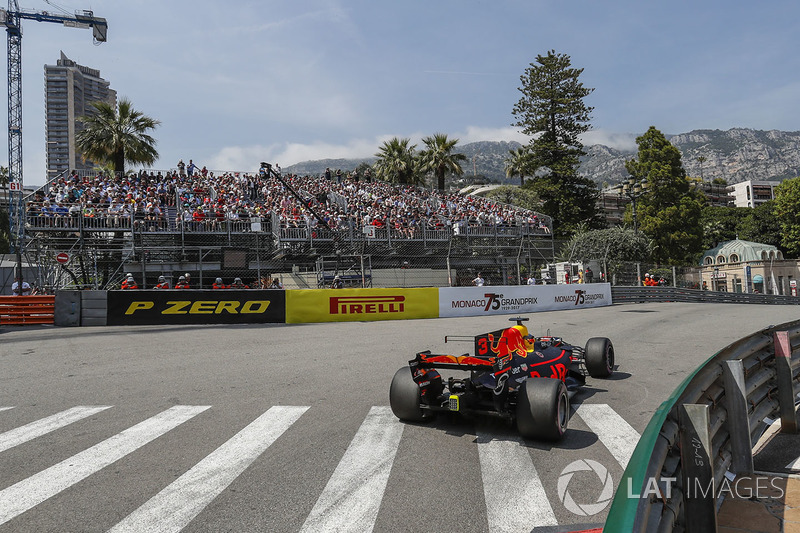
(12,19)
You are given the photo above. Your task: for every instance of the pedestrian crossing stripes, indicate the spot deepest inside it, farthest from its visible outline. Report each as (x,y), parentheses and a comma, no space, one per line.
(32,491)
(616,434)
(351,499)
(506,511)
(17,436)
(181,501)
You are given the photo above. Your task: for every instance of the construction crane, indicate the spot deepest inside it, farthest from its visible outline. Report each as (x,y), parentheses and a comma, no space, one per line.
(12,20)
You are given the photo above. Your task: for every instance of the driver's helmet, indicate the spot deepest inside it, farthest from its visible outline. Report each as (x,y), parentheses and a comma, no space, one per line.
(162,279)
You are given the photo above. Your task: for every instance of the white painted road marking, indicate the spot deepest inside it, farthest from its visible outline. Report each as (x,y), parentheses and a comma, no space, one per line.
(6,408)
(352,497)
(612,430)
(17,436)
(794,465)
(513,503)
(180,502)
(32,491)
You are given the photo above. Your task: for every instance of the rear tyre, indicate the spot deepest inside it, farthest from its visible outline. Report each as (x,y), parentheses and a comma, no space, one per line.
(405,397)
(599,357)
(542,409)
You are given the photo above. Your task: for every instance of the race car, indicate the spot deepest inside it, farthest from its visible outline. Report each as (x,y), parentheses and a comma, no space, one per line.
(526,380)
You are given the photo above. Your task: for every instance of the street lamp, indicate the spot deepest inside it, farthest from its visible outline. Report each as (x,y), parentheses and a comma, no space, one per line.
(634,189)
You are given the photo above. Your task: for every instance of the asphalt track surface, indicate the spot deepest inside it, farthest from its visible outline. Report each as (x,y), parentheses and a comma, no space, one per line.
(285,428)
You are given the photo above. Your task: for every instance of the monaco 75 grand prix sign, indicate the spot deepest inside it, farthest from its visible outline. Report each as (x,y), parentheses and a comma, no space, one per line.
(476,301)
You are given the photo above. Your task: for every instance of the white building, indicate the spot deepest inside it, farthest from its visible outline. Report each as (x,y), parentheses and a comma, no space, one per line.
(752,193)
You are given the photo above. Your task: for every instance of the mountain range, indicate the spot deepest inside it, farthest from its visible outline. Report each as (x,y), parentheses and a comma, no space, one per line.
(735,155)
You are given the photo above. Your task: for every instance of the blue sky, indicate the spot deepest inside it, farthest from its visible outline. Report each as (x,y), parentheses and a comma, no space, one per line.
(235,83)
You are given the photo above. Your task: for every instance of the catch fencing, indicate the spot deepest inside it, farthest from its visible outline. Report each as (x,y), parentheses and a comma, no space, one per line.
(103,249)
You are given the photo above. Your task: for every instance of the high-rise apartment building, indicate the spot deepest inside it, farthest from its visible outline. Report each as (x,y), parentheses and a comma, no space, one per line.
(70,89)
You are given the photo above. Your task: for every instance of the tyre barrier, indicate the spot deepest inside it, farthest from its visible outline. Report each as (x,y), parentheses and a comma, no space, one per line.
(715,417)
(25,310)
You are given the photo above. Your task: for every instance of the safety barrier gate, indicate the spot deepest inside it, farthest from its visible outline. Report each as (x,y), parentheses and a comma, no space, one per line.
(25,310)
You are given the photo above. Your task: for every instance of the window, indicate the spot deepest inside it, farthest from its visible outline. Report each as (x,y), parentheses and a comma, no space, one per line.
(721,259)
(734,258)
(709,260)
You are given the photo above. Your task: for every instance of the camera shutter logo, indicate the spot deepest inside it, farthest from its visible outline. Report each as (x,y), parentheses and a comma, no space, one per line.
(585,509)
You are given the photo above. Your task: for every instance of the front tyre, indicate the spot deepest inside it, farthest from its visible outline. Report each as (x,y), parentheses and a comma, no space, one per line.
(405,397)
(599,357)
(542,409)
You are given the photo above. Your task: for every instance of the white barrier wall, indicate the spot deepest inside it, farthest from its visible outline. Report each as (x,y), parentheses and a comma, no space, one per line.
(505,300)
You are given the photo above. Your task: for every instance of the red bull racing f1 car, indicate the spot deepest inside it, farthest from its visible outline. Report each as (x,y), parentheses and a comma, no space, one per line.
(524,379)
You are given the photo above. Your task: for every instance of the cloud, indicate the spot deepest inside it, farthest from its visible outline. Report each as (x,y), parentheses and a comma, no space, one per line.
(248,158)
(618,141)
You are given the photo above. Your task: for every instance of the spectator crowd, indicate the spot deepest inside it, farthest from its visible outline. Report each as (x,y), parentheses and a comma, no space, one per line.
(198,200)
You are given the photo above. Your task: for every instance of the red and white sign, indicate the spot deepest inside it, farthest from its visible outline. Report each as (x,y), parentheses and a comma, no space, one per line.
(14,186)
(63,257)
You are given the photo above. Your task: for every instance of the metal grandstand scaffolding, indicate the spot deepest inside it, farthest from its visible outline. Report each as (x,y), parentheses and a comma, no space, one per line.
(186,235)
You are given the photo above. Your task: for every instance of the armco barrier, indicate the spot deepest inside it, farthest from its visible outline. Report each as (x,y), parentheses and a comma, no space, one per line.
(623,294)
(717,413)
(25,310)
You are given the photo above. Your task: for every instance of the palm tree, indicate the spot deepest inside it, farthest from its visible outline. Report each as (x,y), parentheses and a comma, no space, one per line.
(517,164)
(440,159)
(701,160)
(397,162)
(116,135)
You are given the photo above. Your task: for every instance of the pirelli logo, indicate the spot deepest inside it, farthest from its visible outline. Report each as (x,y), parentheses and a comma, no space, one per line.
(357,305)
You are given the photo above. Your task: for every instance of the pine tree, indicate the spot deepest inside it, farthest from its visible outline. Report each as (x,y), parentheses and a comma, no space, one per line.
(553,112)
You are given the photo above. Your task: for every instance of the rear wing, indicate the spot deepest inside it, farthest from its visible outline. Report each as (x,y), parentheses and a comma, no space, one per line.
(427,359)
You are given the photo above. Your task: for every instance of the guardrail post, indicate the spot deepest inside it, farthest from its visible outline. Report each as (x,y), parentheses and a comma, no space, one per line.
(697,467)
(783,369)
(738,423)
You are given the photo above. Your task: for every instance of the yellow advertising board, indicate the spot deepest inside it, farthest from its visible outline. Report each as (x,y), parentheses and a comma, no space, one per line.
(353,305)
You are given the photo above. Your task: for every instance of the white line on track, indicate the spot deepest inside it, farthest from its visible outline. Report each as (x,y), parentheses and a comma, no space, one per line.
(17,436)
(5,408)
(180,502)
(794,465)
(352,497)
(513,503)
(32,491)
(612,430)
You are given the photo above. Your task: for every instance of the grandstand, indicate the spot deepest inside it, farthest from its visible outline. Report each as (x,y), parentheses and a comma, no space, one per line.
(250,225)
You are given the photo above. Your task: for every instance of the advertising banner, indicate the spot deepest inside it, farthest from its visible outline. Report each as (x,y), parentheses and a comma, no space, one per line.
(506,300)
(346,305)
(196,307)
